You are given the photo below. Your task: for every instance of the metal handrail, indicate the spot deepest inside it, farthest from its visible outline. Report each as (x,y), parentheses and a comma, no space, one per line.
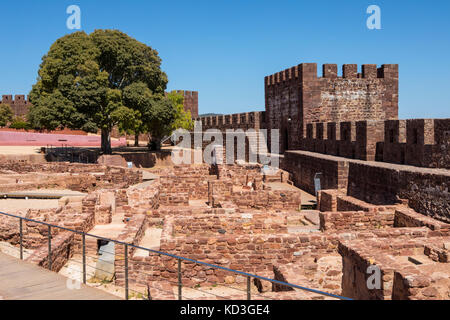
(179,258)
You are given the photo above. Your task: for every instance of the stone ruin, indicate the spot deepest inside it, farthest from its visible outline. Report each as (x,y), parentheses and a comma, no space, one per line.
(238,217)
(383,209)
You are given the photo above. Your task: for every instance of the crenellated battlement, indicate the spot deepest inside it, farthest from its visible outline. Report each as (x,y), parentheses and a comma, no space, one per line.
(416,142)
(247,120)
(19,99)
(298,96)
(19,103)
(308,71)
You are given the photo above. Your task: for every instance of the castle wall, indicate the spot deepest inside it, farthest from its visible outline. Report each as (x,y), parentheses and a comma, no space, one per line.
(416,142)
(19,104)
(244,121)
(190,102)
(297,96)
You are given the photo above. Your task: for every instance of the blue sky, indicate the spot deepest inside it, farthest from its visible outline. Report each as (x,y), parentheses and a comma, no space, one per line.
(224,49)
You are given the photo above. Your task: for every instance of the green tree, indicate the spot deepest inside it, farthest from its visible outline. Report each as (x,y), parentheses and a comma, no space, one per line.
(183,119)
(159,120)
(154,113)
(19,123)
(6,114)
(82,80)
(138,97)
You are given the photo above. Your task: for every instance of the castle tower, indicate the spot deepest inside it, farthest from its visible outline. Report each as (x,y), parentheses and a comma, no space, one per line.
(298,96)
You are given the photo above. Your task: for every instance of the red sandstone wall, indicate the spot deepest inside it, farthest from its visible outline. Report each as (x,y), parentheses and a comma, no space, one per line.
(299,94)
(355,220)
(426,190)
(303,166)
(19,104)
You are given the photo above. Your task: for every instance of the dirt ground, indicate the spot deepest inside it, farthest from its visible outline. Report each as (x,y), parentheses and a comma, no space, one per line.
(19,150)
(12,205)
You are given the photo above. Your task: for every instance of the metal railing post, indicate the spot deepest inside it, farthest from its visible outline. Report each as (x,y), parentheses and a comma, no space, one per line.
(49,248)
(180,283)
(126,272)
(84,258)
(21,238)
(249,293)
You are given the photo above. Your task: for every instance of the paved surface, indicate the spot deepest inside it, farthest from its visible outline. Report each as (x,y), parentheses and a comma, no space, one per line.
(23,281)
(307,199)
(10,138)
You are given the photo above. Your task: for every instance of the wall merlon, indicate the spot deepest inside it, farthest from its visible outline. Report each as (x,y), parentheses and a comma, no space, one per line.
(220,120)
(388,71)
(321,131)
(333,131)
(7,98)
(350,71)
(369,71)
(420,132)
(348,131)
(310,131)
(330,71)
(308,71)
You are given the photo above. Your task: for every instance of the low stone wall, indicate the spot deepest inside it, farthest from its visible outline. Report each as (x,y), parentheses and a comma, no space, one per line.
(195,186)
(255,254)
(77,177)
(218,191)
(327,200)
(132,234)
(240,174)
(35,235)
(82,183)
(346,203)
(62,250)
(407,217)
(162,212)
(427,190)
(141,200)
(355,220)
(91,204)
(174,199)
(235,224)
(303,166)
(267,199)
(400,278)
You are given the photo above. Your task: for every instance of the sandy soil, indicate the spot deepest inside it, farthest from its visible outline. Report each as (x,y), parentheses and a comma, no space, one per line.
(13,251)
(151,240)
(11,205)
(51,191)
(19,150)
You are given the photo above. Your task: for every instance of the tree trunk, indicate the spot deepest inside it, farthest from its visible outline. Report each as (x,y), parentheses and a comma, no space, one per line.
(106,141)
(155,144)
(136,140)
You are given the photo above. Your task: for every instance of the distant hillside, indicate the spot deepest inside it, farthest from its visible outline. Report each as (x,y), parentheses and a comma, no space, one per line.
(210,115)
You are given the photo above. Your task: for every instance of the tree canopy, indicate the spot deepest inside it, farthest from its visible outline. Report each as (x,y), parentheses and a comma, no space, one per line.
(94,82)
(183,118)
(6,114)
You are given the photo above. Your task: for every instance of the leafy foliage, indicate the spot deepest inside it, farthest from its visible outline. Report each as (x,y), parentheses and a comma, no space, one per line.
(19,123)
(6,114)
(183,119)
(92,82)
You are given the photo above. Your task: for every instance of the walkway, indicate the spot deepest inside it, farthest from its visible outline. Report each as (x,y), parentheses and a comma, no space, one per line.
(20,280)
